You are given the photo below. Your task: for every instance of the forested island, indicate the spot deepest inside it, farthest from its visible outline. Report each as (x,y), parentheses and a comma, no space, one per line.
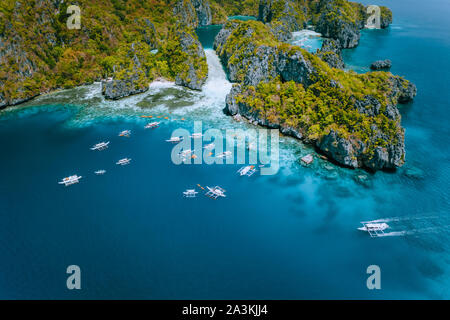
(126,44)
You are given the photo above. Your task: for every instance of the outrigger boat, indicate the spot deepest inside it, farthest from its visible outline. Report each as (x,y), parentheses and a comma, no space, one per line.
(100,172)
(225,154)
(209,146)
(123,162)
(374,229)
(186,153)
(125,133)
(251,146)
(152,125)
(68,181)
(247,171)
(215,192)
(100,146)
(190,193)
(175,139)
(196,135)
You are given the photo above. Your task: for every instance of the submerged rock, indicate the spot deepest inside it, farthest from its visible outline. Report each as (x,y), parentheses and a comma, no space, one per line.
(381,64)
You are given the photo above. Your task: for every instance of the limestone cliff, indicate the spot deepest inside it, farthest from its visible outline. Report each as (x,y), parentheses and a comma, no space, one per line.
(352,118)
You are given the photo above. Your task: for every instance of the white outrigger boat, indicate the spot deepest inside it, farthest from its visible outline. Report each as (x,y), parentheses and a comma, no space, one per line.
(100,172)
(196,135)
(152,125)
(247,171)
(125,133)
(374,229)
(123,162)
(100,146)
(186,153)
(215,192)
(209,146)
(175,139)
(190,193)
(68,181)
(224,155)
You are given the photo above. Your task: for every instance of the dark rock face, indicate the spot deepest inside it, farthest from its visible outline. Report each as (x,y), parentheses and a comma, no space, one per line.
(386,17)
(149,33)
(235,108)
(117,89)
(284,12)
(348,152)
(381,64)
(390,157)
(340,23)
(372,107)
(385,22)
(403,90)
(192,47)
(351,152)
(262,63)
(203,11)
(3,103)
(343,23)
(231,106)
(224,34)
(293,66)
(194,13)
(331,53)
(407,94)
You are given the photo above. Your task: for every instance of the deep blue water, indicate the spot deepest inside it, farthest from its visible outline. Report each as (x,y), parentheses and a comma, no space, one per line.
(288,236)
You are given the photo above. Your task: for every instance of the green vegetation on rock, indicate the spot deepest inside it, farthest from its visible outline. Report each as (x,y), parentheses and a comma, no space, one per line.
(303,96)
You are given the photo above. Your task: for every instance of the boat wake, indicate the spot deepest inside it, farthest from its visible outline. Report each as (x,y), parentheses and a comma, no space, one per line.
(404,226)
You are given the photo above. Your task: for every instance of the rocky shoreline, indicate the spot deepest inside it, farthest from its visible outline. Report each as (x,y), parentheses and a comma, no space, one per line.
(352,119)
(264,60)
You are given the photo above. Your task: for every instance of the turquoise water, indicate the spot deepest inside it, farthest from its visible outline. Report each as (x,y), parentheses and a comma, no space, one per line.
(288,236)
(243,18)
(307,39)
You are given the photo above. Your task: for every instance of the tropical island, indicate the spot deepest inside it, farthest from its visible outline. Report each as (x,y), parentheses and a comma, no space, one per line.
(351,118)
